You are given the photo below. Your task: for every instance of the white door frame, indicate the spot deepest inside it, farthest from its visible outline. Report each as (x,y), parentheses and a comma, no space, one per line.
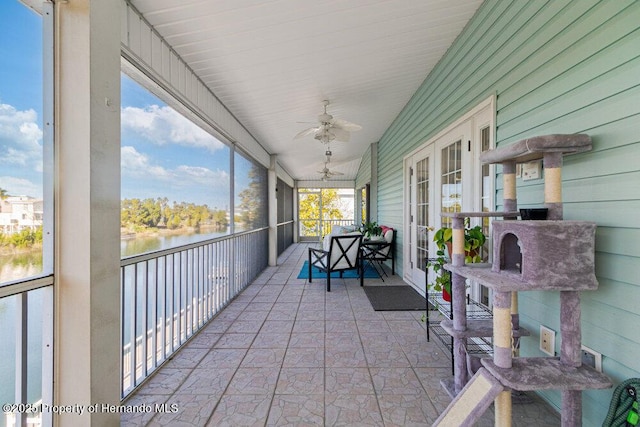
(467,129)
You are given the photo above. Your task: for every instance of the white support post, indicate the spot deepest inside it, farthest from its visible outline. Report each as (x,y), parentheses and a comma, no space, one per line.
(87,212)
(272,191)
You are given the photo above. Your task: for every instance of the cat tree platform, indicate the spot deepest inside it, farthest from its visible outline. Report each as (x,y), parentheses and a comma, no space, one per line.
(546,373)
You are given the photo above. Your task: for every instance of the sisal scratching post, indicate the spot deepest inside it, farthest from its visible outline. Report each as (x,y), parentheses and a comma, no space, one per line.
(503,409)
(502,355)
(509,186)
(553,184)
(458,299)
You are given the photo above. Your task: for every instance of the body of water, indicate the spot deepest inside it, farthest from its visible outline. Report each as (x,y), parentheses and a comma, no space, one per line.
(144,244)
(28,264)
(18,266)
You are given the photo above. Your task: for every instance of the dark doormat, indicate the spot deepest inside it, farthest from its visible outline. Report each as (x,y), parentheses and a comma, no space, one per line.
(395,298)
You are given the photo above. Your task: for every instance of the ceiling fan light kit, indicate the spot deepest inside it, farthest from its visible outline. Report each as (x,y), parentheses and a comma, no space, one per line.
(330,129)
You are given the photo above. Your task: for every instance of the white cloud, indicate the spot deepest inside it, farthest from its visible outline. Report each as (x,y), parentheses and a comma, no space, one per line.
(137,165)
(20,187)
(191,174)
(20,138)
(164,125)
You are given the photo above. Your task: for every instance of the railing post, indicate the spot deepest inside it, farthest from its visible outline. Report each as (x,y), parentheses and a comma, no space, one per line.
(22,317)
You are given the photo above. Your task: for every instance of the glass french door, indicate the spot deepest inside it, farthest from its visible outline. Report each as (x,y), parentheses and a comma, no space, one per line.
(420,212)
(445,175)
(436,178)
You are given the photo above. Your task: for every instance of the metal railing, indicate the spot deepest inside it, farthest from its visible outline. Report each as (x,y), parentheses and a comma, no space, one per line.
(168,295)
(26,312)
(314,229)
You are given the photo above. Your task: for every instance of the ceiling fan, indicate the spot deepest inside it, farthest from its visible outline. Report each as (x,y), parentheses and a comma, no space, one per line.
(329,128)
(326,173)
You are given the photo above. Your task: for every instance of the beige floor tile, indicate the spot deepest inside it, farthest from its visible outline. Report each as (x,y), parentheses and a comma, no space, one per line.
(269,340)
(235,340)
(187,358)
(297,410)
(186,410)
(142,418)
(165,381)
(223,358)
(253,381)
(204,340)
(277,326)
(348,381)
(209,381)
(241,410)
(406,410)
(300,381)
(352,410)
(394,381)
(263,358)
(307,340)
(289,353)
(304,358)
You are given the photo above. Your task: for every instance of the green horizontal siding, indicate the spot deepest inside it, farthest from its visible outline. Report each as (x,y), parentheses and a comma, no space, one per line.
(556,66)
(363,176)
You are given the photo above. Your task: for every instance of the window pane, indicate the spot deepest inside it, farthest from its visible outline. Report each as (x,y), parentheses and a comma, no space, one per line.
(451,172)
(250,195)
(175,176)
(21,142)
(422,215)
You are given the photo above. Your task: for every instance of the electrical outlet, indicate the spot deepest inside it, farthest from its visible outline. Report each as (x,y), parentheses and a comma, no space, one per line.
(591,358)
(547,340)
(531,170)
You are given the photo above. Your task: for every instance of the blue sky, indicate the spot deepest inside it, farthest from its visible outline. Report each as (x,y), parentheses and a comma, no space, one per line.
(20,100)
(166,155)
(163,154)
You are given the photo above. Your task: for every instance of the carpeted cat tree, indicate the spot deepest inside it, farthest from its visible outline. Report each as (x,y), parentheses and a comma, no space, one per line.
(551,255)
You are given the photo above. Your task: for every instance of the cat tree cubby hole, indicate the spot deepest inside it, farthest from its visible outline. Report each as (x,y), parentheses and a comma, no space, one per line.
(510,254)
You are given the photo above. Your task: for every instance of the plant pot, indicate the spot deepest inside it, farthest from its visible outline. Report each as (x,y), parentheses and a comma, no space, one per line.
(534,214)
(446,295)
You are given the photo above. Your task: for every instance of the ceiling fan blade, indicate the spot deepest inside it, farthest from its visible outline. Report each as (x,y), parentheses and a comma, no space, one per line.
(307,132)
(330,128)
(340,134)
(345,125)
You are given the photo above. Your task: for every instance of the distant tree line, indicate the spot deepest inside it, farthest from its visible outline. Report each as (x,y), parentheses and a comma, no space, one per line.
(159,213)
(24,238)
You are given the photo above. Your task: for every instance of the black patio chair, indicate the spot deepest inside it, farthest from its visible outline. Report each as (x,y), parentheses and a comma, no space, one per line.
(376,252)
(342,254)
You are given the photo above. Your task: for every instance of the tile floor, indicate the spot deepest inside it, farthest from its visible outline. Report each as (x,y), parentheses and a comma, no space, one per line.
(286,352)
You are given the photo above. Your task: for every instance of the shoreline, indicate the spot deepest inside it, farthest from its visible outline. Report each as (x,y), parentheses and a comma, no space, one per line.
(128,234)
(15,251)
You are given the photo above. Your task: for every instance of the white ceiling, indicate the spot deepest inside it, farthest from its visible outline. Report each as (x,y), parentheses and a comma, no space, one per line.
(273,62)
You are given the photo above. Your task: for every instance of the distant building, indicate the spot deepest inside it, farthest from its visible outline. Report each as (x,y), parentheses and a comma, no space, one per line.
(18,213)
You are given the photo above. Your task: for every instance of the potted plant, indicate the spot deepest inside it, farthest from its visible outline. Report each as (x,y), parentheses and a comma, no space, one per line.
(474,239)
(370,229)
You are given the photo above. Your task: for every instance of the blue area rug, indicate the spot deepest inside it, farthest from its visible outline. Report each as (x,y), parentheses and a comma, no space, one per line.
(369,273)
